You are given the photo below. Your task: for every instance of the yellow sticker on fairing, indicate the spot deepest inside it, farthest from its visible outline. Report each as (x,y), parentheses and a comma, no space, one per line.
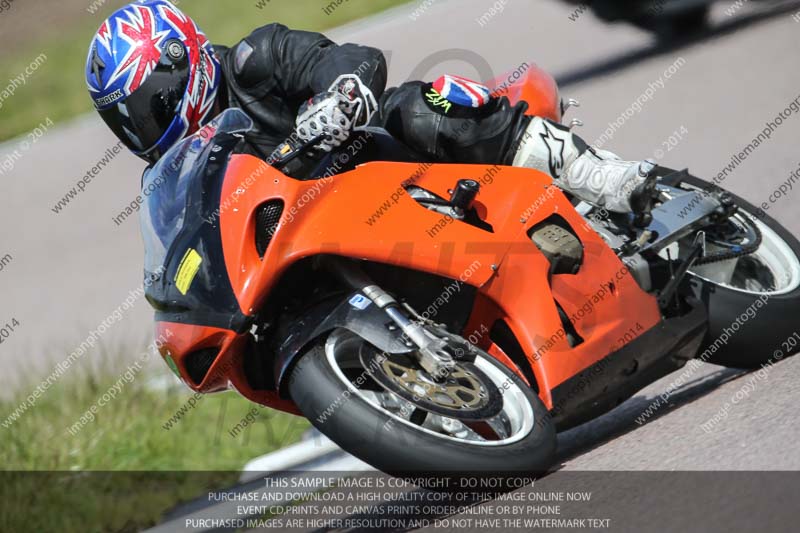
(187,270)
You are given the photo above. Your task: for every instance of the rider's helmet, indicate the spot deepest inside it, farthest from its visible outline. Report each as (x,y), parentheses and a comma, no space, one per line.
(152,76)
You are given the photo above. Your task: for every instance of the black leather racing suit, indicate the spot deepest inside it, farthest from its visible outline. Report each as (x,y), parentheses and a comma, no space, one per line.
(270,73)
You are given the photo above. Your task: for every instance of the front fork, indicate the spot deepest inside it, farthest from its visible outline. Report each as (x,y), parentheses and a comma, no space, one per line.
(432,351)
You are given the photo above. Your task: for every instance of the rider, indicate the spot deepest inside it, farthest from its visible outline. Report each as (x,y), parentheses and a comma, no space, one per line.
(155,78)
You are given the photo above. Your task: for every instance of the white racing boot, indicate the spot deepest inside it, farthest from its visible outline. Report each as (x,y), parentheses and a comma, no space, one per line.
(595,176)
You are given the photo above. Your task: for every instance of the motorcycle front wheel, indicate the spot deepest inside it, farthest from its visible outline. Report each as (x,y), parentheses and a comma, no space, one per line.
(396,434)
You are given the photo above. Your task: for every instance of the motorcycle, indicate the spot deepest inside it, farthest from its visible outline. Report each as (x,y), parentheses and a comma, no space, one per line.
(436,317)
(667,19)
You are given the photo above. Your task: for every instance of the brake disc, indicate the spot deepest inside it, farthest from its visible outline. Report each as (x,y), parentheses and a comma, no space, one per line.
(465,393)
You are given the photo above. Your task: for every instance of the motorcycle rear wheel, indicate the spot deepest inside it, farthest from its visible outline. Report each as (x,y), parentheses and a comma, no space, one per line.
(743,331)
(333,390)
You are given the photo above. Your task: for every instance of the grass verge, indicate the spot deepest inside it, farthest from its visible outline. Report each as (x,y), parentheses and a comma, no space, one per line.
(124,469)
(57,90)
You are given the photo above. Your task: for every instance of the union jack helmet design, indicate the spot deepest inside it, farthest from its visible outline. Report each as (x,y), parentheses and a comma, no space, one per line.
(462,91)
(152,75)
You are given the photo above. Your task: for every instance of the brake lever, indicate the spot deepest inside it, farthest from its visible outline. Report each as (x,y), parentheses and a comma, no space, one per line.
(290,149)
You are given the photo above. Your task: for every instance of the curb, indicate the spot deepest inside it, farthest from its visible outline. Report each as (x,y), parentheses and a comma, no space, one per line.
(300,461)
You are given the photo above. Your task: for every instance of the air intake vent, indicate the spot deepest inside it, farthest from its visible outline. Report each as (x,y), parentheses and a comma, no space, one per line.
(268,216)
(199,362)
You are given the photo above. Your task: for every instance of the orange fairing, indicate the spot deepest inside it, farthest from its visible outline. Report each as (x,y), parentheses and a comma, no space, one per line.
(529,83)
(186,339)
(226,372)
(367,214)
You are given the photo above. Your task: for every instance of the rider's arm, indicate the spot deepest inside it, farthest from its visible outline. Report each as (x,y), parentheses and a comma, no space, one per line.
(303,63)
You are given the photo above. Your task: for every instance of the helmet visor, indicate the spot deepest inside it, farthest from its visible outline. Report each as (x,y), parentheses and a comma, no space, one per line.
(142,118)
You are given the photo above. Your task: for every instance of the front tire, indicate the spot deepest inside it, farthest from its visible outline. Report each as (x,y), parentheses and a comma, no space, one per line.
(324,388)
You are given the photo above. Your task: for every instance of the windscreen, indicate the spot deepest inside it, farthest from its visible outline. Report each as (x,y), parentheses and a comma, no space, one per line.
(166,185)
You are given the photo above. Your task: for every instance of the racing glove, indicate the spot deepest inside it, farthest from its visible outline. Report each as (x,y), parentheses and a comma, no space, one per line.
(595,176)
(333,114)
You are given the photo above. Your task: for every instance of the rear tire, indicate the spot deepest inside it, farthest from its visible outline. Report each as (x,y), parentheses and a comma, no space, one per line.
(754,341)
(373,435)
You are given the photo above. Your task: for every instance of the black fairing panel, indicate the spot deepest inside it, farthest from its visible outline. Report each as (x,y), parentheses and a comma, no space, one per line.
(369,323)
(610,381)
